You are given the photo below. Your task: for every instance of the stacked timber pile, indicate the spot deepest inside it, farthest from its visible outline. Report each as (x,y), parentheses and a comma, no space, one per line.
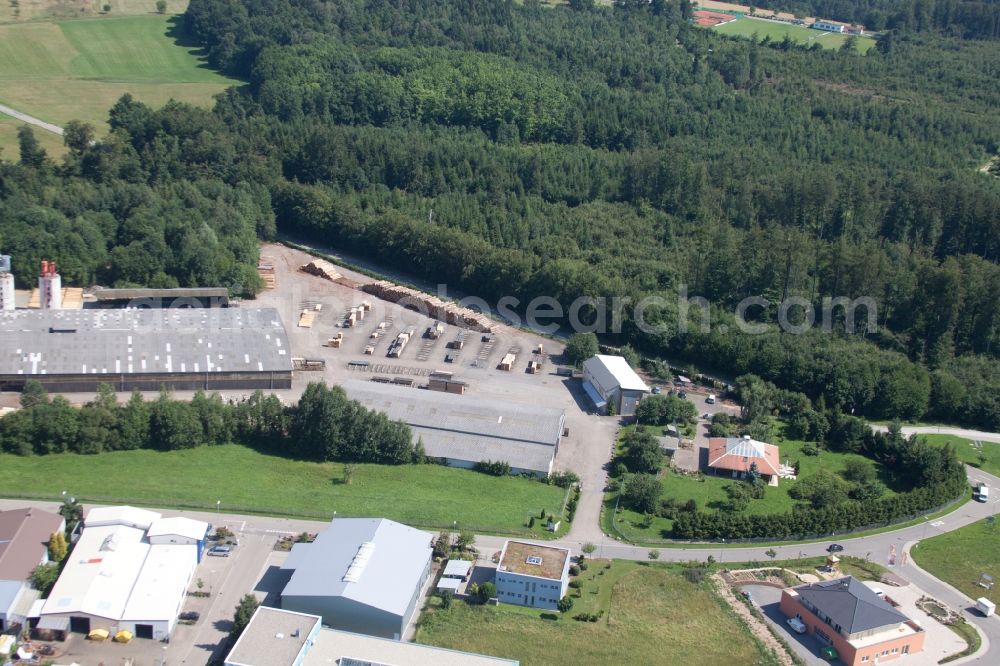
(430,305)
(323,269)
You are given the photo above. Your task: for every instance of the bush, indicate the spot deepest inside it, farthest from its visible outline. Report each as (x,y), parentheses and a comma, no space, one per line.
(583,565)
(575,584)
(565,605)
(487,591)
(493,467)
(574,570)
(562,479)
(694,575)
(446,598)
(810,449)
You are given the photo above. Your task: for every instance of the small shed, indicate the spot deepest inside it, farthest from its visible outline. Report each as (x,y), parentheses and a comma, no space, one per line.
(457,569)
(450,584)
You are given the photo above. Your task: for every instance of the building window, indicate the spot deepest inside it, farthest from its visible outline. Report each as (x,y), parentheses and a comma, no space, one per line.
(864,658)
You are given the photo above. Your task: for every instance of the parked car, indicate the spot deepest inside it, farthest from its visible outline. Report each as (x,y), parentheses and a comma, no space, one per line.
(189,616)
(656,390)
(797,625)
(220,551)
(834,548)
(682,394)
(710,399)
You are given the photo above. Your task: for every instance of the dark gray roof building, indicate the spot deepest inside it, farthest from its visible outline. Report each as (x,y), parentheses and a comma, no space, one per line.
(147,349)
(850,605)
(465,430)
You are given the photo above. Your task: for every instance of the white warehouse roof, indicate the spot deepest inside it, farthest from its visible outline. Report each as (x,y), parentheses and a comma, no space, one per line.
(120,515)
(178,526)
(612,371)
(376,562)
(115,573)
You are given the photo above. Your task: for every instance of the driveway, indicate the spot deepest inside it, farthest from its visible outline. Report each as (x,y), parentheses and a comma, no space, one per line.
(805,645)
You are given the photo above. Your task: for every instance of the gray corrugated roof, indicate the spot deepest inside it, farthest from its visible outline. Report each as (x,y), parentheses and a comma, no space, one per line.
(388,579)
(109,342)
(851,604)
(468,428)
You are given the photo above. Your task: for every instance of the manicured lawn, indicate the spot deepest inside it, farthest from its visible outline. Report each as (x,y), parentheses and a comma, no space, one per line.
(748,27)
(652,615)
(76,69)
(960,557)
(708,490)
(248,481)
(969,454)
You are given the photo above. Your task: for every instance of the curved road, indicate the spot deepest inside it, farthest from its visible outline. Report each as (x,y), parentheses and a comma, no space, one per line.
(31,120)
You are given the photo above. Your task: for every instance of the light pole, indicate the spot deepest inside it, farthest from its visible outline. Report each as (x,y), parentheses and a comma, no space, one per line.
(218,511)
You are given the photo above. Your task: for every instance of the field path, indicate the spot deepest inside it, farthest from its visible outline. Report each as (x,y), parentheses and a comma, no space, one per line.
(31,120)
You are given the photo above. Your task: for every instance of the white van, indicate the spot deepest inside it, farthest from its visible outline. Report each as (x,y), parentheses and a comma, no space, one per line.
(981,493)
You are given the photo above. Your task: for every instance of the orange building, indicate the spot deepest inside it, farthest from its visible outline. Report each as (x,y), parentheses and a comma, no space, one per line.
(846,615)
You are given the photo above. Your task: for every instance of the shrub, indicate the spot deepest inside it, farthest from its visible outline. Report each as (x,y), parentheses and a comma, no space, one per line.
(574,570)
(562,479)
(487,591)
(565,605)
(531,521)
(810,450)
(694,575)
(446,597)
(583,565)
(493,467)
(575,584)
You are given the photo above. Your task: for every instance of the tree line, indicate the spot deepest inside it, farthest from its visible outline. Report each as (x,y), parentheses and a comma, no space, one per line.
(324,425)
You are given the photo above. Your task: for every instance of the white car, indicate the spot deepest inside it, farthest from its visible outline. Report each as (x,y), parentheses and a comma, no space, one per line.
(797,625)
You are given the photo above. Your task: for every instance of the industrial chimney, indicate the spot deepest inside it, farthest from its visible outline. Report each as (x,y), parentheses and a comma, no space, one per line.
(6,284)
(49,287)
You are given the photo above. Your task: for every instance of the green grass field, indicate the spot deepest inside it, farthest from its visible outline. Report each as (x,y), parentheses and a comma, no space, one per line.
(967,453)
(66,70)
(748,27)
(652,615)
(708,490)
(960,557)
(247,481)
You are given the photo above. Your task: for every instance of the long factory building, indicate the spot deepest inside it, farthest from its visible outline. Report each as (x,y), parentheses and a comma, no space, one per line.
(145,349)
(464,430)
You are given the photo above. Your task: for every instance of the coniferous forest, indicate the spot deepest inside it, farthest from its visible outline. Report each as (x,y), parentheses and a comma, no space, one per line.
(575,150)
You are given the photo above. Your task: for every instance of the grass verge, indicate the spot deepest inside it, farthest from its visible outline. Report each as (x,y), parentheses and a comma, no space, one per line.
(651,615)
(961,556)
(969,634)
(246,481)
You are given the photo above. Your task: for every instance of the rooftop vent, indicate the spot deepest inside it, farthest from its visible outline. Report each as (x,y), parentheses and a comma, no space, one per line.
(534,559)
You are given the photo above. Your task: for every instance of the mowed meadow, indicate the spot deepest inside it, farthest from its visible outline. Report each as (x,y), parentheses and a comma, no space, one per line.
(77,69)
(246,481)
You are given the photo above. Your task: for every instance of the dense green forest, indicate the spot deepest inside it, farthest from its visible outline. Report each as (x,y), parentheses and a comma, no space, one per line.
(586,151)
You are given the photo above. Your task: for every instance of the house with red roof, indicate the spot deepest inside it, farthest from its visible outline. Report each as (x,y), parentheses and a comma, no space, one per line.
(735,456)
